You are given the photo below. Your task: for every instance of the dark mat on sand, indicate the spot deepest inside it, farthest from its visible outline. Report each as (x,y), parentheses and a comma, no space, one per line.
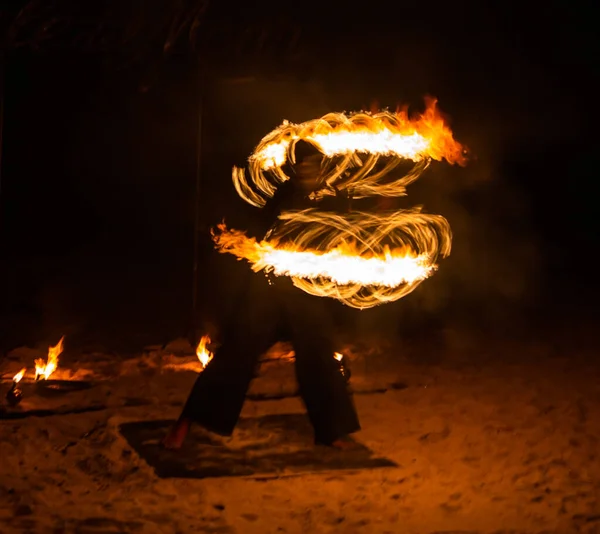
(268,446)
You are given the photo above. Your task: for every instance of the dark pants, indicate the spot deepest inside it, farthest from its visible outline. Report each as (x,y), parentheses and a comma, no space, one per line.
(217,397)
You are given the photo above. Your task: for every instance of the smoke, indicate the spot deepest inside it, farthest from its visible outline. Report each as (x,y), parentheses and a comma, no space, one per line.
(493,268)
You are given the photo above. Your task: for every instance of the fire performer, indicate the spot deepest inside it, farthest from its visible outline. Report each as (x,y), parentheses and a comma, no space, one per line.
(217,397)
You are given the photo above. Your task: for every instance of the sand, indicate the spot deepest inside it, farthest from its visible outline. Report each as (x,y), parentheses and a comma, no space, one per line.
(483,443)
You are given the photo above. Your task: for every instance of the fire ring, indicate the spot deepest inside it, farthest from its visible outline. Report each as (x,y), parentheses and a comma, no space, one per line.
(360,149)
(361,259)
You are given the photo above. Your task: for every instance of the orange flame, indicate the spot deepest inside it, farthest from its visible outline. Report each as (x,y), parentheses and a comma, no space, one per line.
(338,356)
(19,376)
(204,355)
(43,369)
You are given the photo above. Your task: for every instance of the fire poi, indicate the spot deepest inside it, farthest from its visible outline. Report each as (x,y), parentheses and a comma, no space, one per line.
(361,259)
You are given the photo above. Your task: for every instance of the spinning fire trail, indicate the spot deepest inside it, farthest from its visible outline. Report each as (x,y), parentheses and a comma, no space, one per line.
(362,259)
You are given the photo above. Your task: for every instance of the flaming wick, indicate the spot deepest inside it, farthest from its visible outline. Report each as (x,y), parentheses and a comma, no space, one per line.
(14,394)
(19,376)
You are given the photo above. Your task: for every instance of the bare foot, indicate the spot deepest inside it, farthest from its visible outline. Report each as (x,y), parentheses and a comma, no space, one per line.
(341,444)
(177,434)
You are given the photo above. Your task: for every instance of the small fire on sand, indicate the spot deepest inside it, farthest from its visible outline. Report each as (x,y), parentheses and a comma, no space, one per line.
(204,355)
(43,370)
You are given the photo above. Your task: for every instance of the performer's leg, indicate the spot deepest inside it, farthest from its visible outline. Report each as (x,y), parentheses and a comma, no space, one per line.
(323,388)
(218,394)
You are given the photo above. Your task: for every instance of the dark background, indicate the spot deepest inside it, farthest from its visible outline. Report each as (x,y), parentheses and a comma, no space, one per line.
(100,153)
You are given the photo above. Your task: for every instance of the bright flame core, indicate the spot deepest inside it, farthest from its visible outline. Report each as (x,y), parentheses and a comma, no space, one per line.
(204,355)
(19,376)
(44,370)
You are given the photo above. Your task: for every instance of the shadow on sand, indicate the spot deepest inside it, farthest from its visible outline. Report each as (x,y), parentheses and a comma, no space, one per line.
(263,447)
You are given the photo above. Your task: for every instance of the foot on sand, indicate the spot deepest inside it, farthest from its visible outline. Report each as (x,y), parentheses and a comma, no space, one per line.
(345,443)
(176,436)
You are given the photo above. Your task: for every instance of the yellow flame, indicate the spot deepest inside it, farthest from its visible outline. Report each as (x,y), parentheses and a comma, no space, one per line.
(360,150)
(338,356)
(204,355)
(43,369)
(19,376)
(361,259)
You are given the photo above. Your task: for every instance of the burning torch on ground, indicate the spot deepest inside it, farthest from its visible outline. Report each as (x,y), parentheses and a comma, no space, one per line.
(14,395)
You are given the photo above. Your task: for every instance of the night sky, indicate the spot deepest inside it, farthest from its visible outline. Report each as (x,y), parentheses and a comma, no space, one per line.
(100,152)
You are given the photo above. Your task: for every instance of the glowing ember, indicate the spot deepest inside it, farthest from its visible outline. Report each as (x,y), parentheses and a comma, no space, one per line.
(19,376)
(361,259)
(204,355)
(360,150)
(43,370)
